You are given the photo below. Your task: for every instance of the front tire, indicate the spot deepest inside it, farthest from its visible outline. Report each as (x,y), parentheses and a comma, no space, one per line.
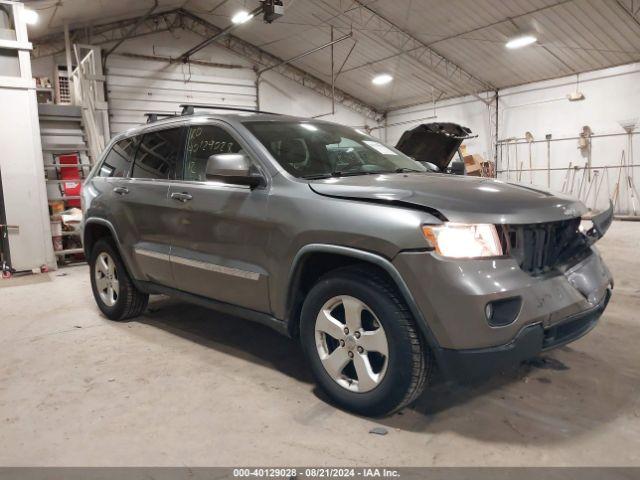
(114,292)
(362,343)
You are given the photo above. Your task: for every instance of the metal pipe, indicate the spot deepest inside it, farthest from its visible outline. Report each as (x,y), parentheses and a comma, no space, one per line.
(333,77)
(576,168)
(346,59)
(195,62)
(405,122)
(308,52)
(208,41)
(497,124)
(602,135)
(67,52)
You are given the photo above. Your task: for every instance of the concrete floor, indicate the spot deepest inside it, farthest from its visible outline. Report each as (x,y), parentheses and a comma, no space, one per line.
(186,386)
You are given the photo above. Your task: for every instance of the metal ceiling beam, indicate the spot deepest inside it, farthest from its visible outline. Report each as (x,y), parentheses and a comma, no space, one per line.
(180,18)
(265,59)
(458,35)
(53,44)
(631,11)
(443,68)
(132,31)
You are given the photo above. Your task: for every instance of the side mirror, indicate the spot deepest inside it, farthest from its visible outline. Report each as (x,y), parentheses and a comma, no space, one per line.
(232,168)
(457,168)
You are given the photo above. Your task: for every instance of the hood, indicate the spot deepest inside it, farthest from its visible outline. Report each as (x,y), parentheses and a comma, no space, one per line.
(433,142)
(458,198)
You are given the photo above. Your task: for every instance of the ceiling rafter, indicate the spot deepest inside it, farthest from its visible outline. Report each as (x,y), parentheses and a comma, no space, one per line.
(180,18)
(415,48)
(631,10)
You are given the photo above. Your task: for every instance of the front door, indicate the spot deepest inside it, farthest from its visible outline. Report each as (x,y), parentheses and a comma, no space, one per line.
(221,230)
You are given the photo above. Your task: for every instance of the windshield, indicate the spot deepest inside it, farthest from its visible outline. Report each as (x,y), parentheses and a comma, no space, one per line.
(319,150)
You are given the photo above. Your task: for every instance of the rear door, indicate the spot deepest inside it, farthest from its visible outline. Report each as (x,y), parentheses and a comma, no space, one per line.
(111,183)
(221,230)
(158,161)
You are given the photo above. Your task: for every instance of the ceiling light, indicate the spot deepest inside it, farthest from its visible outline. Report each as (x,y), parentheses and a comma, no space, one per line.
(30,16)
(241,17)
(521,41)
(381,79)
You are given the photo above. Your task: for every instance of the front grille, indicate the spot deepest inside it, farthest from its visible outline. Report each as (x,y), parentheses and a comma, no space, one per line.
(541,247)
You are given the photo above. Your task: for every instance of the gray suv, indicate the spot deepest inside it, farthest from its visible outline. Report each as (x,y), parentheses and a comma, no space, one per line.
(382,269)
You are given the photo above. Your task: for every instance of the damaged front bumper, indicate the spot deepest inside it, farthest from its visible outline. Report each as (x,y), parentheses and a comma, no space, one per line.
(550,310)
(528,343)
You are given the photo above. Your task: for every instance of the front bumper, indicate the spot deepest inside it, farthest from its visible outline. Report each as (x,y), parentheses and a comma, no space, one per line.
(531,341)
(452,295)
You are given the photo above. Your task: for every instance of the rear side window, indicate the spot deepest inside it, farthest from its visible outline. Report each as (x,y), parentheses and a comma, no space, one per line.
(158,154)
(119,158)
(202,142)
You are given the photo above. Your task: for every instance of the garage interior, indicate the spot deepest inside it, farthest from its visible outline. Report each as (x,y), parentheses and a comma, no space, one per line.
(550,90)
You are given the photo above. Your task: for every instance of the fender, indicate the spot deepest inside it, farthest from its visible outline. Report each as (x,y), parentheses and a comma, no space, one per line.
(114,234)
(379,261)
(103,222)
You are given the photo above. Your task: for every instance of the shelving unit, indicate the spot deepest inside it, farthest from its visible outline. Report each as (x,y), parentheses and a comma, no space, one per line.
(62,133)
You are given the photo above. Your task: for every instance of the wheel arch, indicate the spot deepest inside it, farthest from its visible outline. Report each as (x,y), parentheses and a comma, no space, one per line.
(330,257)
(95,229)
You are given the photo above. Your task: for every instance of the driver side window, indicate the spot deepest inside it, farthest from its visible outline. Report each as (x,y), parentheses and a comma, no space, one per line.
(202,142)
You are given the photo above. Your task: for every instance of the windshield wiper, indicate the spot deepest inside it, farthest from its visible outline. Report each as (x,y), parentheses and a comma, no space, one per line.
(339,173)
(407,170)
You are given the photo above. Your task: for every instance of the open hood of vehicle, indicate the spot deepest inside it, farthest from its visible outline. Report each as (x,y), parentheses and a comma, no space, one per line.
(458,198)
(433,142)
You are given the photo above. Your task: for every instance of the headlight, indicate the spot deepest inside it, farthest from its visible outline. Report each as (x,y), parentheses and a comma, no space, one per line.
(460,240)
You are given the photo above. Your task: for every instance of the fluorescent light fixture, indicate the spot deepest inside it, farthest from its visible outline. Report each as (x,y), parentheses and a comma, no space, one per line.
(30,16)
(521,41)
(241,17)
(381,79)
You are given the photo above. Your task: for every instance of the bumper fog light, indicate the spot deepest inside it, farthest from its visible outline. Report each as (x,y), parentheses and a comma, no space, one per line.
(501,313)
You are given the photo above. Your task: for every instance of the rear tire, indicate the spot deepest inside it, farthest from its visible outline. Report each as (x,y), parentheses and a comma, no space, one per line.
(116,295)
(378,370)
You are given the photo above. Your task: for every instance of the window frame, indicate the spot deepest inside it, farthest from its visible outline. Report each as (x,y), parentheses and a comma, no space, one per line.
(126,173)
(178,172)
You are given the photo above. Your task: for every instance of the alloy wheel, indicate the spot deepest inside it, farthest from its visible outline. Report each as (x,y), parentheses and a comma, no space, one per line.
(351,344)
(106,277)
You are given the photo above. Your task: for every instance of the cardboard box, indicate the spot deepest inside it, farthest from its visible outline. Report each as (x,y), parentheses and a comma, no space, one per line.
(473,165)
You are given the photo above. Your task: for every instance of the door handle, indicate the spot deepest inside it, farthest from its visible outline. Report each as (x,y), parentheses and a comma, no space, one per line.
(121,190)
(181,197)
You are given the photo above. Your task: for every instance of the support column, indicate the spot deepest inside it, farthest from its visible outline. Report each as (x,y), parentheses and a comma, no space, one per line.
(21,165)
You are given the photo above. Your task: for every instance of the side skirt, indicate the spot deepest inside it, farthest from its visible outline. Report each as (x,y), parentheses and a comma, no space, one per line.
(258,317)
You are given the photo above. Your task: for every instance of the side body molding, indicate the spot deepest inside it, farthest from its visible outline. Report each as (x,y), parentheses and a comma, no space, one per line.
(377,260)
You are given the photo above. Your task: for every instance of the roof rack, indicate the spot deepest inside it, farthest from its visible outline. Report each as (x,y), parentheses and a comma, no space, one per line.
(189,109)
(155,116)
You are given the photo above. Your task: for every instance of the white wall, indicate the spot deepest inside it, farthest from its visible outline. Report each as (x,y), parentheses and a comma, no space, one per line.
(136,85)
(611,96)
(281,95)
